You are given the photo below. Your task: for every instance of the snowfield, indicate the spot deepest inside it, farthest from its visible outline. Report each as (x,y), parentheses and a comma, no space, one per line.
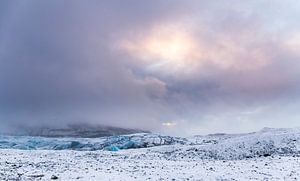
(270,154)
(133,165)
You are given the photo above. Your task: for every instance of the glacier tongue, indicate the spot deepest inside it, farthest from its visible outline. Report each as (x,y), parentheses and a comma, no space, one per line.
(140,140)
(267,142)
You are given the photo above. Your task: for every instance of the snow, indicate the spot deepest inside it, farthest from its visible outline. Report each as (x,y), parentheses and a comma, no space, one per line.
(270,154)
(139,140)
(131,165)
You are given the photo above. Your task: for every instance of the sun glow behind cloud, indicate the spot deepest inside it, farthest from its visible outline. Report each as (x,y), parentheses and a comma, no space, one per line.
(183,49)
(111,63)
(168,48)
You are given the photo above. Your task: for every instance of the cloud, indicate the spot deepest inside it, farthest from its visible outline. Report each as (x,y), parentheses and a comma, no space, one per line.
(196,64)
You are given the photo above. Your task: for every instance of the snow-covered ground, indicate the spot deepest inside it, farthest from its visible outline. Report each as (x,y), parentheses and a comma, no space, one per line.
(132,165)
(270,154)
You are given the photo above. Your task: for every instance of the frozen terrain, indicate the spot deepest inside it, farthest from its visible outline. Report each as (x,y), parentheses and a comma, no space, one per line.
(270,154)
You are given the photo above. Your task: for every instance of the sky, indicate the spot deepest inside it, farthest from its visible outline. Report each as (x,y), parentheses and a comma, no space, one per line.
(170,66)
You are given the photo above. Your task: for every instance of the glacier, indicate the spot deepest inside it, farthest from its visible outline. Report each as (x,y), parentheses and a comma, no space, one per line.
(266,142)
(139,140)
(269,154)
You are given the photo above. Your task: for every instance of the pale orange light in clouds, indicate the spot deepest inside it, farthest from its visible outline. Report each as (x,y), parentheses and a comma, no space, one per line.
(293,43)
(163,47)
(176,49)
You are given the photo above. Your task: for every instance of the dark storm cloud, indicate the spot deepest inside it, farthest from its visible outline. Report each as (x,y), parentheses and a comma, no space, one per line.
(59,64)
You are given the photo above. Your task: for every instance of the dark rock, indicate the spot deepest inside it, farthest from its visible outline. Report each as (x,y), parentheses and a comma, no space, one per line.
(54,177)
